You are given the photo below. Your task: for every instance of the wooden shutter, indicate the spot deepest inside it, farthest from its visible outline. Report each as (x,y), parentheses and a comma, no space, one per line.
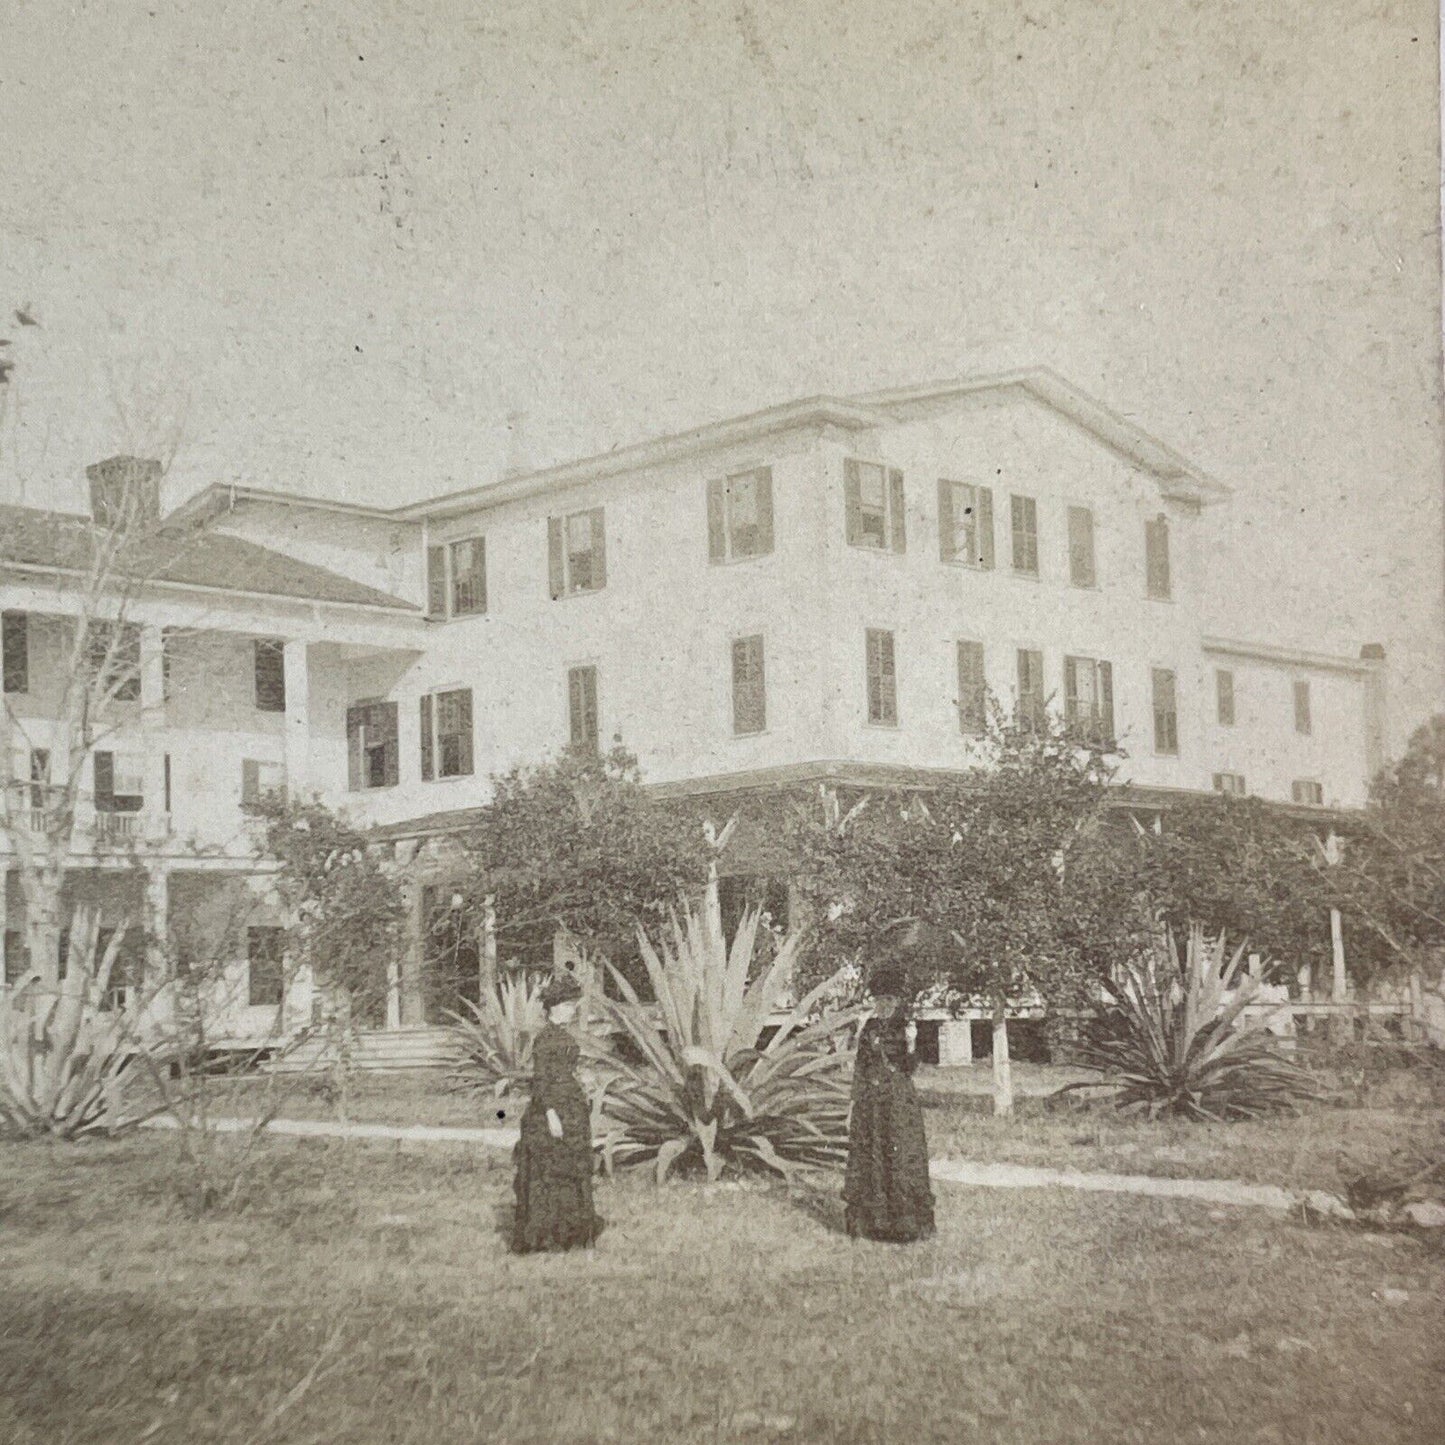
(556,561)
(1224,696)
(1081,547)
(763,491)
(983,502)
(166,775)
(946,522)
(599,548)
(462,707)
(436,581)
(1106,702)
(1302,722)
(1156,549)
(749,690)
(428,741)
(15,644)
(717,543)
(386,714)
(355,730)
(250,780)
(972,689)
(104,790)
(895,510)
(853,502)
(1071,691)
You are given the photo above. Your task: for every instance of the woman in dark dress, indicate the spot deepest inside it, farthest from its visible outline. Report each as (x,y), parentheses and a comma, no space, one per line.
(886,1191)
(553,1156)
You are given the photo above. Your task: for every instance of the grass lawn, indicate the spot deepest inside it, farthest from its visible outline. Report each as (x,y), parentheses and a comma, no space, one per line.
(1307,1152)
(378,1275)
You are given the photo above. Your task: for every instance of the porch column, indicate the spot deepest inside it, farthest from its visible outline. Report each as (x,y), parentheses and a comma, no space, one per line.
(1342,1028)
(157,924)
(488,950)
(156,818)
(410,1000)
(393,993)
(297,672)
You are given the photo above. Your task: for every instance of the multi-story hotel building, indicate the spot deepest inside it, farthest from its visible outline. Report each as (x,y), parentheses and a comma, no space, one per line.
(826,590)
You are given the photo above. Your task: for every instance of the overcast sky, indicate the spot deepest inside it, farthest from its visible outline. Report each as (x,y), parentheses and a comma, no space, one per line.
(331,246)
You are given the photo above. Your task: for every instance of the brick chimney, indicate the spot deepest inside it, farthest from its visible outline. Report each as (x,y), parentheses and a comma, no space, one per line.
(125,492)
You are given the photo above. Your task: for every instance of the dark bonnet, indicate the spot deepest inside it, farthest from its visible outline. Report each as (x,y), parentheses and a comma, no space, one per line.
(562,989)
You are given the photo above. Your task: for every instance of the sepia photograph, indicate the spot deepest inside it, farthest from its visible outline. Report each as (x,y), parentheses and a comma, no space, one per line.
(722,722)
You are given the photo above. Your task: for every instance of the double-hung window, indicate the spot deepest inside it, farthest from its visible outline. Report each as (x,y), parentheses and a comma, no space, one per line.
(1024,524)
(1166,712)
(456,580)
(1089,698)
(577,553)
(740,516)
(965,523)
(446,734)
(371,745)
(874,501)
(266,966)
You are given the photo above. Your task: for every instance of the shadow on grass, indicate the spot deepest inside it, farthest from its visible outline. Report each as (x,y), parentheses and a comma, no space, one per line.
(822,1203)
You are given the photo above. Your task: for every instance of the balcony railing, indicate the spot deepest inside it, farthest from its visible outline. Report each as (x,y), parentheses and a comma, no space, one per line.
(120,825)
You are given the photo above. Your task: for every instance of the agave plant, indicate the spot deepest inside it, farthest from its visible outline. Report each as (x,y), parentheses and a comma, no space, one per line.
(495,1037)
(698,1086)
(63,1053)
(1174,1037)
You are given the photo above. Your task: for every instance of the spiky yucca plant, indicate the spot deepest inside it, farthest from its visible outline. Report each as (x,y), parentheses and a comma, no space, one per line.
(1174,1037)
(705,1090)
(62,1053)
(495,1037)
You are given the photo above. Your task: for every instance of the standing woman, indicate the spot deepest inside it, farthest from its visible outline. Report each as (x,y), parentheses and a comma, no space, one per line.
(553,1156)
(886,1191)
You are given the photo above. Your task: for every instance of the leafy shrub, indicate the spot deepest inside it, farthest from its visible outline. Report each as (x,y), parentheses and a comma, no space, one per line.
(63,1053)
(1174,1038)
(697,1087)
(496,1036)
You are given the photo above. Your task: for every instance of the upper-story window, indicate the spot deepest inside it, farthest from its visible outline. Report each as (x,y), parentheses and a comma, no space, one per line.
(1166,712)
(1303,722)
(1230,783)
(583,723)
(750,702)
(1082,569)
(1024,519)
(874,498)
(965,523)
(113,656)
(1156,557)
(456,578)
(15,645)
(972,689)
(119,786)
(577,553)
(1224,696)
(446,734)
(882,678)
(740,515)
(1089,698)
(1307,791)
(269,666)
(371,745)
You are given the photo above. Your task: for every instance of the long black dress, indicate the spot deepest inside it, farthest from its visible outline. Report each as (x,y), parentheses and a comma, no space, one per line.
(553,1184)
(886,1190)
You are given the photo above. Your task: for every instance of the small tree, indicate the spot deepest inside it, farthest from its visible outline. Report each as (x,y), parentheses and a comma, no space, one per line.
(576,843)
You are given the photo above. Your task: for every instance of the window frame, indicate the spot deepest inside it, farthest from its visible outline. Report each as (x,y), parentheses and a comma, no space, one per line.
(1295,786)
(359,751)
(103,766)
(873,644)
(434,762)
(892,509)
(586,676)
(560,572)
(977,503)
(443,580)
(1156,673)
(721,526)
(1220,778)
(1100,727)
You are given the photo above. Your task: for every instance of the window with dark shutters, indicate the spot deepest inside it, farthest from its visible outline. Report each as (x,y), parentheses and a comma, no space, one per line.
(1030,688)
(1230,783)
(1156,555)
(965,523)
(583,729)
(1082,569)
(436,581)
(874,506)
(1024,519)
(740,515)
(750,712)
(1089,699)
(1166,712)
(15,647)
(371,745)
(1308,792)
(270,674)
(467,561)
(1224,696)
(452,712)
(882,678)
(972,689)
(577,553)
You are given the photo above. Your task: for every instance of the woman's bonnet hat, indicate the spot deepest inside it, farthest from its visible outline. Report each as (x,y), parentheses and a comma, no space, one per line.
(561,988)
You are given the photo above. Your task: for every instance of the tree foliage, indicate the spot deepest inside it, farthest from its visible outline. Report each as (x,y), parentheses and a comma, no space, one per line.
(577,843)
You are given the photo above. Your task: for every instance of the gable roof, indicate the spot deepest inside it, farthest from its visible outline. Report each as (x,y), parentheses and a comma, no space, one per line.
(32,540)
